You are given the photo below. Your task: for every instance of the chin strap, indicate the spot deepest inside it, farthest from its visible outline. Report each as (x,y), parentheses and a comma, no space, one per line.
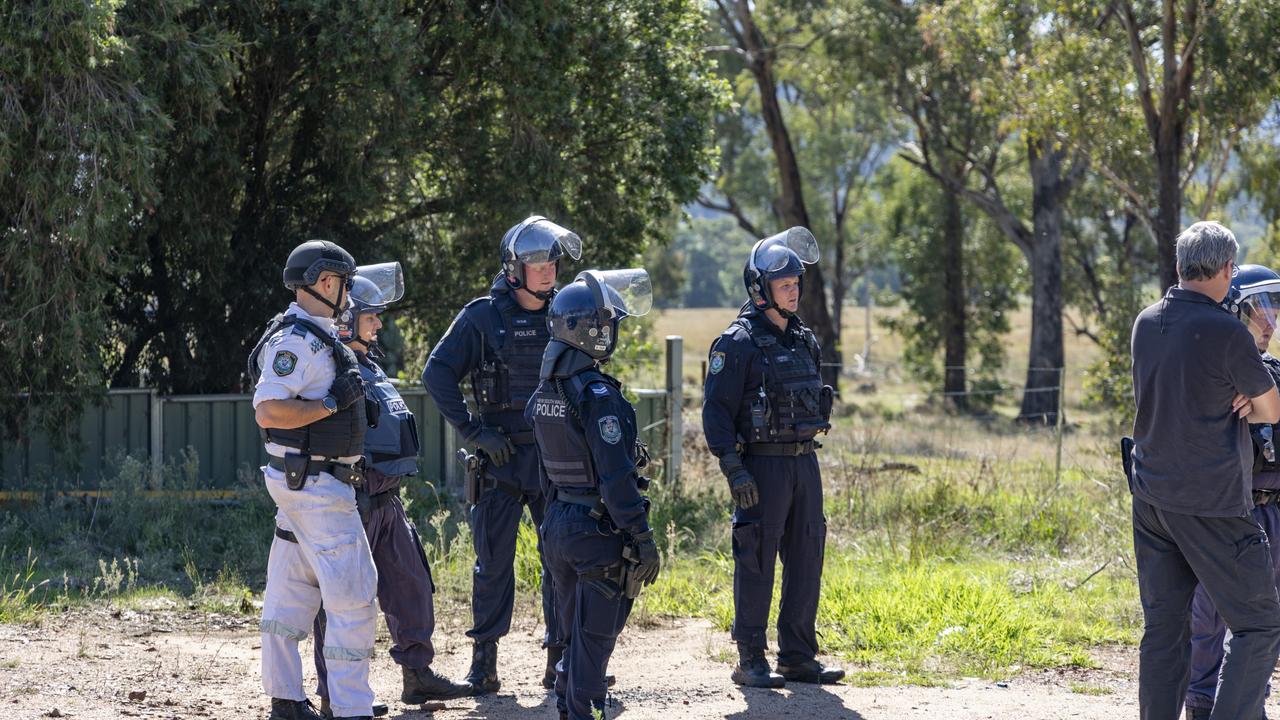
(335,307)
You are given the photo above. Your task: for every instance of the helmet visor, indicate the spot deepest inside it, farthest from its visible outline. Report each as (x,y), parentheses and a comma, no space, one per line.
(621,292)
(1260,312)
(388,283)
(543,241)
(798,240)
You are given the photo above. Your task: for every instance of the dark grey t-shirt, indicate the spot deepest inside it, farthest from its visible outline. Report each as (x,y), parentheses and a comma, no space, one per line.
(1191,454)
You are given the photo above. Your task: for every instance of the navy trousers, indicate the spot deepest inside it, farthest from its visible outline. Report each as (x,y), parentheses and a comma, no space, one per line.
(592,610)
(788,522)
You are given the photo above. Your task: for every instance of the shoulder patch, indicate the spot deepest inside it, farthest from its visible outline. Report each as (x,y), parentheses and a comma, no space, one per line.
(316,345)
(299,330)
(284,363)
(717,362)
(599,389)
(610,429)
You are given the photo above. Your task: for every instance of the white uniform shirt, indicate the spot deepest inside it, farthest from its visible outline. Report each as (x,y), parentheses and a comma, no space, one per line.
(296,365)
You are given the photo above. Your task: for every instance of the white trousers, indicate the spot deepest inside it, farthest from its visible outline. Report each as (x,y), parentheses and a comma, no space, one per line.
(329,563)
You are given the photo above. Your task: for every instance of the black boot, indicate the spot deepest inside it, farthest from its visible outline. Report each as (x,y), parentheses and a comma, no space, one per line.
(483,674)
(753,670)
(423,684)
(379,709)
(293,710)
(553,658)
(810,671)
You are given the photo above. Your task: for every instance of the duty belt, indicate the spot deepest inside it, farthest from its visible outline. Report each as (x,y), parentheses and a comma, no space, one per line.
(349,474)
(383,498)
(521,438)
(793,449)
(584,500)
(1265,497)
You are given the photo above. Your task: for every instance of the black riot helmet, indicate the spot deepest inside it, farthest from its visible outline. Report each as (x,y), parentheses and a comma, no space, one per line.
(373,288)
(309,260)
(536,240)
(777,256)
(586,312)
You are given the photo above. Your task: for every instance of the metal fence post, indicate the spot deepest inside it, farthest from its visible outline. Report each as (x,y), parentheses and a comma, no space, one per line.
(675,407)
(1062,391)
(156,436)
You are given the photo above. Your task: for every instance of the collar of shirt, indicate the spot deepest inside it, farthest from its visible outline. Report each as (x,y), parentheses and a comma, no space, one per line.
(325,323)
(1178,293)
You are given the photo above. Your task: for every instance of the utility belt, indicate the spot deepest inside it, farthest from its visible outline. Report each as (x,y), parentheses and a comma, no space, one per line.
(619,578)
(521,438)
(1265,497)
(297,468)
(366,503)
(476,480)
(780,449)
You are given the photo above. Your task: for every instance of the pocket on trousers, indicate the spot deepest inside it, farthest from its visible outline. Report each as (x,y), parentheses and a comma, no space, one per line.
(1254,554)
(747,539)
(417,542)
(345,570)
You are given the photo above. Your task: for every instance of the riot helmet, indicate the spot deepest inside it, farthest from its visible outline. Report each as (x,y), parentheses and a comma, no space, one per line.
(586,312)
(1254,298)
(536,240)
(309,260)
(778,256)
(373,288)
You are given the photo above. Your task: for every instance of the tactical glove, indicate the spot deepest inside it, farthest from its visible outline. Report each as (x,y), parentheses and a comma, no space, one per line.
(495,444)
(646,570)
(743,488)
(347,388)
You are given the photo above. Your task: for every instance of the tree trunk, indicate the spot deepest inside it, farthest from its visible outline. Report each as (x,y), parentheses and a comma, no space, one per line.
(953,309)
(1169,218)
(1044,362)
(790,203)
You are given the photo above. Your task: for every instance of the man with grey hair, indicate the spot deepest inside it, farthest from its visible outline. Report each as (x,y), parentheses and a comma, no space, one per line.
(1198,381)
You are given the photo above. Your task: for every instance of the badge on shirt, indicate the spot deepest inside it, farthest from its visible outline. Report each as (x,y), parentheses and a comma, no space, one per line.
(284,363)
(610,429)
(717,362)
(317,345)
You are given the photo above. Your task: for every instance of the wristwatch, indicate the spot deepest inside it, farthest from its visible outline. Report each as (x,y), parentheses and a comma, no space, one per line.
(330,404)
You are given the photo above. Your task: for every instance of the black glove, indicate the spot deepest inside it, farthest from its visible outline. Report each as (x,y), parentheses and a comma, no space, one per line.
(347,388)
(743,488)
(495,444)
(646,570)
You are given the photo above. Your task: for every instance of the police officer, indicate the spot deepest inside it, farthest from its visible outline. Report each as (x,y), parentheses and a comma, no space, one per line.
(764,402)
(596,534)
(391,449)
(1255,299)
(310,403)
(497,342)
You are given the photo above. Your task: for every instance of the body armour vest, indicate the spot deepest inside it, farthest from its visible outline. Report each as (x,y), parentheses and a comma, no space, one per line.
(792,404)
(562,442)
(511,358)
(1266,437)
(391,447)
(338,435)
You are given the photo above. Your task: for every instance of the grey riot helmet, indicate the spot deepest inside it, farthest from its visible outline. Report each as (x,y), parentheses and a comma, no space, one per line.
(1254,298)
(536,240)
(312,258)
(777,256)
(585,314)
(373,288)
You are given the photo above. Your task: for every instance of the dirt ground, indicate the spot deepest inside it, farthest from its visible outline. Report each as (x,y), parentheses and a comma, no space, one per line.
(103,663)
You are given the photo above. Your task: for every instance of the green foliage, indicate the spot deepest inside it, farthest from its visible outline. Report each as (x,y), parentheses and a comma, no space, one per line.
(911,203)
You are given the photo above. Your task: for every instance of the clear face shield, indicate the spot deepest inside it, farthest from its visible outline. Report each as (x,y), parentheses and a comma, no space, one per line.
(1260,312)
(768,257)
(620,293)
(387,281)
(543,241)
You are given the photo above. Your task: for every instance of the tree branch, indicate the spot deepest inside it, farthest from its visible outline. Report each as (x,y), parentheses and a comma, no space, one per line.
(731,207)
(1138,56)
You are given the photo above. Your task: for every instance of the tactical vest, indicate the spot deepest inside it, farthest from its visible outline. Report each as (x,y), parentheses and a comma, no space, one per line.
(392,446)
(557,425)
(1262,444)
(507,377)
(338,435)
(792,404)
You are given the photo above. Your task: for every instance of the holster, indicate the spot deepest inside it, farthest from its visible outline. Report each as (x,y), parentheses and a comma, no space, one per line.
(295,470)
(473,477)
(609,581)
(1126,459)
(363,505)
(630,583)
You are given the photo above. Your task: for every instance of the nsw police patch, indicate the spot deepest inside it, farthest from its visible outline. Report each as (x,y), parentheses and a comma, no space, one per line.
(610,429)
(284,363)
(717,362)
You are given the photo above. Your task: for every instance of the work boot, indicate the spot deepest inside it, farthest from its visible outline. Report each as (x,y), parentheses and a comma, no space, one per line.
(753,670)
(293,710)
(1198,713)
(379,709)
(483,674)
(423,684)
(810,671)
(553,658)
